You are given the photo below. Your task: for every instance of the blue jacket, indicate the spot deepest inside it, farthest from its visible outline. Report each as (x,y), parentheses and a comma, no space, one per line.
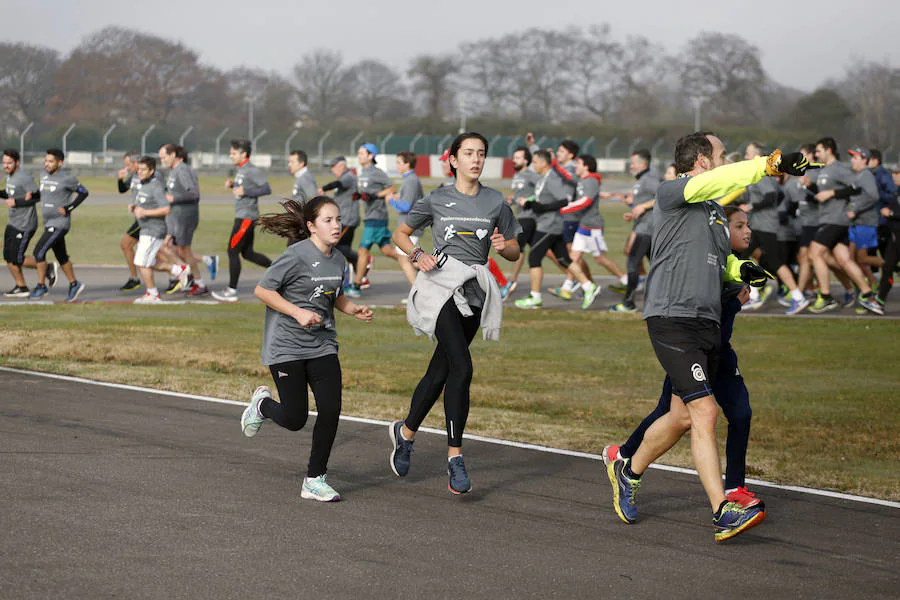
(887,190)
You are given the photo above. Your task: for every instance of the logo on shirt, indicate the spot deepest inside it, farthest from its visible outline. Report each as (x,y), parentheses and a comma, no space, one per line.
(282,374)
(697,372)
(481,233)
(449,204)
(316,264)
(320,289)
(449,232)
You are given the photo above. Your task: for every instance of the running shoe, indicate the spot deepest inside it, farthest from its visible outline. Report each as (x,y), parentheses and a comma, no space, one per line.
(174,286)
(75,289)
(752,305)
(226,295)
(213,267)
(504,290)
(624,490)
(741,495)
(196,291)
(252,419)
(797,306)
(513,285)
(560,293)
(849,298)
(871,304)
(18,292)
(52,274)
(366,284)
(184,276)
(621,307)
(317,489)
(38,292)
(610,454)
(352,291)
(459,479)
(590,294)
(617,287)
(822,305)
(529,302)
(733,519)
(131,285)
(148,298)
(765,294)
(640,285)
(785,299)
(401,451)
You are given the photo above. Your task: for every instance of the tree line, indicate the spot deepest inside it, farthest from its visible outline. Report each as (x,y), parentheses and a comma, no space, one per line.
(575,78)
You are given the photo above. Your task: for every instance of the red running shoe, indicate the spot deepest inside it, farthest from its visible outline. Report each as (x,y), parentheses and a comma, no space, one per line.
(744,497)
(196,290)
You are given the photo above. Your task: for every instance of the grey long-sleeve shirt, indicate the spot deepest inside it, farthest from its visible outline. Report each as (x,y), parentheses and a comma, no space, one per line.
(865,204)
(22,216)
(255,186)
(304,186)
(763,197)
(835,176)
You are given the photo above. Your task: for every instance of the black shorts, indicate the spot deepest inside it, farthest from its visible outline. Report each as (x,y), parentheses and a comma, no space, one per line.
(53,238)
(183,223)
(570,228)
(529,226)
(688,350)
(832,235)
(134,230)
(773,251)
(15,244)
(541,242)
(807,235)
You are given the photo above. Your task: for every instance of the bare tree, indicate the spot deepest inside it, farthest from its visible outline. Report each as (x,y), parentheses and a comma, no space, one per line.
(872,90)
(377,88)
(544,73)
(486,73)
(324,84)
(26,81)
(430,77)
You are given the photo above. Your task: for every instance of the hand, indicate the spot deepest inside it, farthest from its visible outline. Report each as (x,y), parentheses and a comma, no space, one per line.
(238,191)
(522,201)
(229,183)
(10,202)
(307,318)
(426,263)
(805,181)
(170,198)
(498,241)
(792,163)
(637,211)
(320,192)
(825,196)
(363,313)
(629,217)
(754,274)
(626,198)
(123,173)
(851,214)
(886,212)
(138,211)
(61,210)
(744,295)
(131,208)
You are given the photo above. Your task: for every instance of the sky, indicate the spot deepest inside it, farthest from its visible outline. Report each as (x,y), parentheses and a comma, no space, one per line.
(802,43)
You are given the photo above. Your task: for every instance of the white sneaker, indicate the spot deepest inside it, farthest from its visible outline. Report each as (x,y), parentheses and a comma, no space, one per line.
(183,275)
(148,298)
(228,295)
(252,419)
(317,489)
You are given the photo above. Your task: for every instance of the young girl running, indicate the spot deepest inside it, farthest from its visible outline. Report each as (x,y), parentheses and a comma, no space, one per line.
(453,295)
(301,290)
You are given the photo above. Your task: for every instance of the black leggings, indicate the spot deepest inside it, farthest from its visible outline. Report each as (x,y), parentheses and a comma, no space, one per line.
(345,245)
(640,248)
(891,258)
(541,242)
(241,244)
(323,375)
(450,370)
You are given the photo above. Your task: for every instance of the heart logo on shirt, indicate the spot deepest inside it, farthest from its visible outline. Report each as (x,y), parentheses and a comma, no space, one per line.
(481,233)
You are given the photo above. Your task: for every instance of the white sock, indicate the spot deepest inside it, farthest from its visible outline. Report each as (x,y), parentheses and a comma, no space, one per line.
(207,260)
(153,291)
(536,295)
(569,285)
(797,295)
(754,294)
(200,282)
(587,285)
(624,279)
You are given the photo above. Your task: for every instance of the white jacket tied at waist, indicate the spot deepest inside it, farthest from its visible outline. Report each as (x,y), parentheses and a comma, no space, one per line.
(432,289)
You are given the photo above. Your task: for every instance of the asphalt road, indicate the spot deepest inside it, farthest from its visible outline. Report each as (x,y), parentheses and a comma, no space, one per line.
(113,493)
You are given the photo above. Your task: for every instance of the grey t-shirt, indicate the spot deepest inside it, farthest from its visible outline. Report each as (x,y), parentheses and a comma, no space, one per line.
(410,191)
(835,176)
(462,225)
(371,181)
(150,196)
(589,187)
(571,183)
(550,189)
(308,278)
(344,198)
(763,197)
(807,207)
(689,252)
(304,186)
(786,220)
(644,190)
(182,184)
(865,205)
(23,218)
(255,186)
(523,183)
(56,192)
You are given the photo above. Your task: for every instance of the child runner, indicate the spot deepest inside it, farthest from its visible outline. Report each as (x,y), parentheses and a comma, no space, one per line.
(301,289)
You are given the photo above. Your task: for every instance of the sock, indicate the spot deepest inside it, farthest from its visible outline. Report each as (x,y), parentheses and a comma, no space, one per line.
(624,279)
(536,295)
(826,297)
(569,285)
(153,291)
(207,260)
(797,295)
(200,282)
(754,294)
(629,473)
(587,285)
(867,296)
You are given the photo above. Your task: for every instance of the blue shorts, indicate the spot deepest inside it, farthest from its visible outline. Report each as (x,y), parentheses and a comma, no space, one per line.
(864,236)
(570,228)
(375,233)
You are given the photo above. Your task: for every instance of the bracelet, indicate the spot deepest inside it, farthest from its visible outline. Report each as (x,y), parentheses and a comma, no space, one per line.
(415,253)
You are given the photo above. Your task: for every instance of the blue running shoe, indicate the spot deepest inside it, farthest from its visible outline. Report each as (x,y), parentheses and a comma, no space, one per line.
(38,292)
(75,290)
(213,267)
(504,290)
(797,306)
(459,478)
(402,448)
(624,490)
(733,519)
(849,298)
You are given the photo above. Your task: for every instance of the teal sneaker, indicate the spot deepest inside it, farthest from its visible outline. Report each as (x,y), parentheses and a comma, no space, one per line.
(590,295)
(560,293)
(529,302)
(252,419)
(621,307)
(317,489)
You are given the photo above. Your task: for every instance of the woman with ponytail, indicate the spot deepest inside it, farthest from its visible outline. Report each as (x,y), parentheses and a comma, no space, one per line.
(301,289)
